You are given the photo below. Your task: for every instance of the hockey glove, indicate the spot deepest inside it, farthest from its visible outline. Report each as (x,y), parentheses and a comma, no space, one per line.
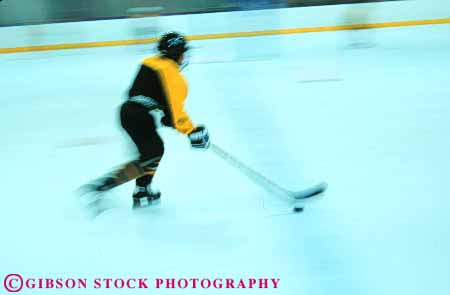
(199,138)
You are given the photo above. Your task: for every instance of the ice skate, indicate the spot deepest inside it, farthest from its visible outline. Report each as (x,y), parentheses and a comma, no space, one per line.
(143,197)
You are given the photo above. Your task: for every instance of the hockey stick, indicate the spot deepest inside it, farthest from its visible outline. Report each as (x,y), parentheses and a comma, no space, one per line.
(266,183)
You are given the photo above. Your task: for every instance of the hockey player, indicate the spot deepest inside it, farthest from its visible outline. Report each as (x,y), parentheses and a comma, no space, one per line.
(159,85)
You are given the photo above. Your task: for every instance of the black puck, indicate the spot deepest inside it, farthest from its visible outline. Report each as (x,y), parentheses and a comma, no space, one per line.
(298,209)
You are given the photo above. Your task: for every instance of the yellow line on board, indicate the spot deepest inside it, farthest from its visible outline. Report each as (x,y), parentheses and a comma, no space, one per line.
(77,45)
(229,35)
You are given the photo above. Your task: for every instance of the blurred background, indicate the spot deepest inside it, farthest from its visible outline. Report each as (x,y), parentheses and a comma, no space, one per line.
(23,12)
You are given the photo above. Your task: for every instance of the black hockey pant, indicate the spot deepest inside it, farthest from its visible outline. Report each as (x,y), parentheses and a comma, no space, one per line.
(140,126)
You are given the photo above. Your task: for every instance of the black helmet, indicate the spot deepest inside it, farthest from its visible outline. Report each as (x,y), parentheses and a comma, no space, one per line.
(172,45)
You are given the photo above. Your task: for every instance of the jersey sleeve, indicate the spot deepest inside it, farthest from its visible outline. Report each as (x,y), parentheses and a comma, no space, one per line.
(175,89)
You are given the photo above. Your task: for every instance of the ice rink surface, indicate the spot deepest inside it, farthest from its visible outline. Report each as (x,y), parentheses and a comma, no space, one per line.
(372,122)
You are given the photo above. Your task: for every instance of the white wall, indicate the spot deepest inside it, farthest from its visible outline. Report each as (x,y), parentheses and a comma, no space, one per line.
(125,29)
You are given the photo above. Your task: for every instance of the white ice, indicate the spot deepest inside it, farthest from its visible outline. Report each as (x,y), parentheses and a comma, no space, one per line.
(372,122)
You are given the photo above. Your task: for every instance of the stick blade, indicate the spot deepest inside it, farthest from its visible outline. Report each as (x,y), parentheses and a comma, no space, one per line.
(309,192)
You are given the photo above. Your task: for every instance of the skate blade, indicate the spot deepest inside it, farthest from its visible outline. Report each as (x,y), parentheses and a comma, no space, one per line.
(98,207)
(147,205)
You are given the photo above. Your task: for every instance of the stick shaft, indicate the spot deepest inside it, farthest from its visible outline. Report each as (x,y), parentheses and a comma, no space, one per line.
(255,176)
